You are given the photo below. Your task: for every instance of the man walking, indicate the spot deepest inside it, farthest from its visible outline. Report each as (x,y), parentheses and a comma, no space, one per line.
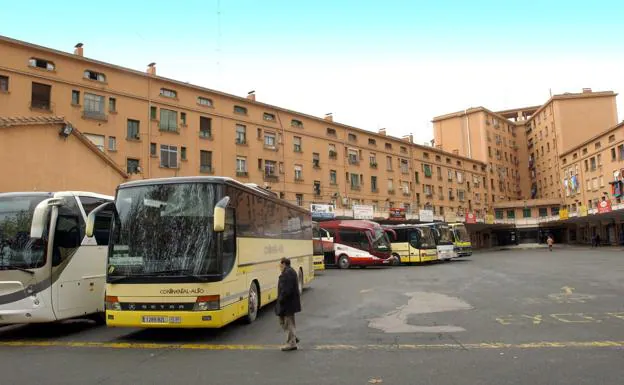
(550,241)
(288,302)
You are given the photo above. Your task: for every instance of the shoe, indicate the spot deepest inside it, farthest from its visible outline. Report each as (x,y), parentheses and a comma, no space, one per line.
(289,348)
(296,340)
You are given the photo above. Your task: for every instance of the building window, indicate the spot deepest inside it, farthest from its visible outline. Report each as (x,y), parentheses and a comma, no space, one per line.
(240,110)
(352,138)
(40,97)
(183,153)
(499,214)
(205,127)
(270,168)
(403,150)
(75,100)
(405,187)
(611,138)
(613,155)
(621,151)
(461,195)
(592,163)
(168,93)
(511,214)
(112,105)
(355,181)
(299,199)
(153,112)
(543,212)
(297,144)
(599,159)
(168,120)
(427,170)
(153,149)
(241,165)
(97,76)
(388,146)
(112,143)
(168,156)
(333,154)
(93,106)
(331,132)
(296,123)
(205,161)
(333,179)
(586,165)
(404,166)
(597,146)
(554,211)
(317,187)
(388,163)
(354,157)
(269,140)
(268,117)
(298,172)
(373,183)
(4,83)
(316,160)
(132,129)
(183,119)
(585,151)
(526,213)
(41,63)
(204,101)
(241,134)
(372,160)
(132,166)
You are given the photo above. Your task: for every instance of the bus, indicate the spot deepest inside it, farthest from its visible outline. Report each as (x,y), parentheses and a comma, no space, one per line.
(461,239)
(413,243)
(49,269)
(444,240)
(199,252)
(357,243)
(323,245)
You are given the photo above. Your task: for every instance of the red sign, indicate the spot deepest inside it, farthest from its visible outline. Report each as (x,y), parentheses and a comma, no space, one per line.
(604,206)
(470,218)
(397,214)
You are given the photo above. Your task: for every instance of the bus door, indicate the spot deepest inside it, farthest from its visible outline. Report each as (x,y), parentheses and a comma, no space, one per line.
(414,245)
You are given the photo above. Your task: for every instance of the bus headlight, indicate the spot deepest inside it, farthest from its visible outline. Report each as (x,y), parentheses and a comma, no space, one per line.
(112,303)
(207,302)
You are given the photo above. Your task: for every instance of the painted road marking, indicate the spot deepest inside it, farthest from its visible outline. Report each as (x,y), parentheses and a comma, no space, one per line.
(559,318)
(333,347)
(420,303)
(567,295)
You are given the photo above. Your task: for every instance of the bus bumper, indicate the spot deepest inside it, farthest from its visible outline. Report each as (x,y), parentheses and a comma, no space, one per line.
(27,310)
(165,319)
(463,251)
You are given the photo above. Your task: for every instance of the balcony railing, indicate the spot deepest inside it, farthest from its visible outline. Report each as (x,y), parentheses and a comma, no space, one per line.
(271,177)
(206,169)
(205,134)
(242,173)
(44,105)
(97,115)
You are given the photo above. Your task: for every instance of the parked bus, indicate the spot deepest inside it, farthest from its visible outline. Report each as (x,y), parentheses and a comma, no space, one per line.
(357,243)
(461,239)
(49,269)
(323,244)
(444,240)
(199,252)
(413,243)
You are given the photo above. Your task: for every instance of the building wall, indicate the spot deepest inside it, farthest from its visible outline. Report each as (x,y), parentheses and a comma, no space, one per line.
(51,163)
(135,94)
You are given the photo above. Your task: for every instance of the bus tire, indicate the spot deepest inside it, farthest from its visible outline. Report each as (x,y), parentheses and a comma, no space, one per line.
(99,318)
(300,281)
(343,262)
(397,260)
(253,303)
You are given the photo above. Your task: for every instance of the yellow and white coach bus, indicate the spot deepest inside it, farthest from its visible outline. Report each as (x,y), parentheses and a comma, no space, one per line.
(199,252)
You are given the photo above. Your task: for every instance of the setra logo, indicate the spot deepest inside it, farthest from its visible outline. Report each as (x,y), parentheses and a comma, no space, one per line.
(171,291)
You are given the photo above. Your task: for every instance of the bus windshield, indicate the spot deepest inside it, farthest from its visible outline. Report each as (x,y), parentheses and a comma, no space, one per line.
(461,234)
(427,241)
(445,237)
(17,250)
(164,231)
(380,240)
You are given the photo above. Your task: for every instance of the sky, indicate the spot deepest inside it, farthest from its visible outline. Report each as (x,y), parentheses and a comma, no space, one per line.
(373,64)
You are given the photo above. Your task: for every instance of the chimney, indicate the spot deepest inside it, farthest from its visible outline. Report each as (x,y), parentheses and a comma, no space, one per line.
(587,90)
(408,138)
(78,50)
(329,117)
(251,95)
(382,131)
(151,69)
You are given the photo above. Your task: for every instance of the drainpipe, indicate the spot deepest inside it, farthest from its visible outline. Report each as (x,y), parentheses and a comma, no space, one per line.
(149,126)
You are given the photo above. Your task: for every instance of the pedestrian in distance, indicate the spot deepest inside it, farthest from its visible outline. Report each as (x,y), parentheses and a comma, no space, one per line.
(550,241)
(288,303)
(597,240)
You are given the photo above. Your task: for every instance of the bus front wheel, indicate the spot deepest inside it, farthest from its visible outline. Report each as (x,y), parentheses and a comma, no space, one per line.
(253,303)
(343,262)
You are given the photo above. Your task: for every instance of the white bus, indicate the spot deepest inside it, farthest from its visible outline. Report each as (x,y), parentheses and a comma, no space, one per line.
(49,269)
(199,252)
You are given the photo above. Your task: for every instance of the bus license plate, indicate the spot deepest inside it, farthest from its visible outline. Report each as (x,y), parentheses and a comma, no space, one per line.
(160,320)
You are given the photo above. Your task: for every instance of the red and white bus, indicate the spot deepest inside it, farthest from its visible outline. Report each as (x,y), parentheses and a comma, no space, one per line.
(357,243)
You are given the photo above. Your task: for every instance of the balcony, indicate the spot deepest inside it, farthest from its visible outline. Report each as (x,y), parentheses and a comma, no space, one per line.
(406,193)
(356,187)
(206,169)
(404,171)
(333,155)
(373,165)
(242,174)
(205,135)
(241,141)
(354,161)
(316,164)
(391,191)
(374,189)
(271,177)
(41,105)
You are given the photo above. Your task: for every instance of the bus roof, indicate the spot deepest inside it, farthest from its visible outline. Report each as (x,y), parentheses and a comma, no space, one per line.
(55,194)
(351,223)
(250,188)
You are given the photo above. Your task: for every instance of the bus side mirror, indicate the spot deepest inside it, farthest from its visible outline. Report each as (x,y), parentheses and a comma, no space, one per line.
(40,216)
(91,218)
(219,215)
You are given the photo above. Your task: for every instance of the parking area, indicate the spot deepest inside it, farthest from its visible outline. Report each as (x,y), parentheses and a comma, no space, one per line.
(525,316)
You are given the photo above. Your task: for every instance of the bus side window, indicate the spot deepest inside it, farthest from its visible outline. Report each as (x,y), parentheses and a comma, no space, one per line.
(363,240)
(68,233)
(413,238)
(229,241)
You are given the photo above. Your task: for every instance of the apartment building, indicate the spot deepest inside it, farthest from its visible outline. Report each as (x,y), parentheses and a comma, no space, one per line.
(145,126)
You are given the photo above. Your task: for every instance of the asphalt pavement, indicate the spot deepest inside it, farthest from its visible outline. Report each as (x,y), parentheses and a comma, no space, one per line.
(501,317)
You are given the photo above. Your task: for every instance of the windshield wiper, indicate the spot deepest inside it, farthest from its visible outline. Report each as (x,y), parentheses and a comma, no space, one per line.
(13,267)
(161,273)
